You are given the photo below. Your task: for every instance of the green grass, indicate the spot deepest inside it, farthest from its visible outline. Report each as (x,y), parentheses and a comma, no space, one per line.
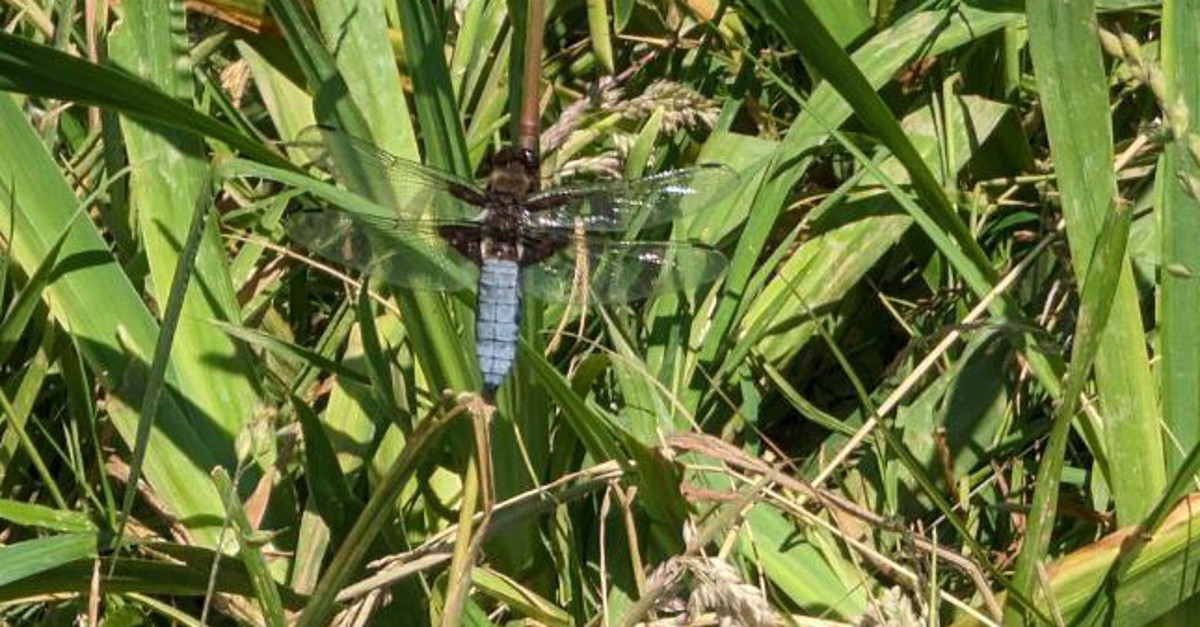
(952,365)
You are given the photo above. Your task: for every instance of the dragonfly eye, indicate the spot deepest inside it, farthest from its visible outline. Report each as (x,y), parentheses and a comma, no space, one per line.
(509,157)
(529,159)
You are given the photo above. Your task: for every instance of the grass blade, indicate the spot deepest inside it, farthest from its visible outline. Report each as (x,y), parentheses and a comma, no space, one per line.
(292,351)
(1074,91)
(26,559)
(33,515)
(1180,288)
(13,324)
(264,586)
(33,69)
(162,357)
(597,11)
(374,516)
(334,500)
(42,203)
(1103,277)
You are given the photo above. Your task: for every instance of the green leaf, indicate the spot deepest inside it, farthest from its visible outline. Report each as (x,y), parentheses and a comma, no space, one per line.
(375,515)
(31,557)
(1090,588)
(41,205)
(1096,303)
(13,324)
(597,11)
(378,368)
(291,351)
(1178,181)
(162,357)
(29,68)
(1074,94)
(589,425)
(34,515)
(800,571)
(332,496)
(521,599)
(256,566)
(622,11)
(185,573)
(169,175)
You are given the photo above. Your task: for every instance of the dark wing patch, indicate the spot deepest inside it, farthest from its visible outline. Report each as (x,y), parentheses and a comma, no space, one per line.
(620,271)
(410,254)
(618,206)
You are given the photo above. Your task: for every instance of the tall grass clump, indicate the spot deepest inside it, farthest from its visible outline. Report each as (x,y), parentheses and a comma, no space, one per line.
(948,374)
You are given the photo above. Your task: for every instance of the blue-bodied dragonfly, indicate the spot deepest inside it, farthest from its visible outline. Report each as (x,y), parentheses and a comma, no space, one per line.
(509,240)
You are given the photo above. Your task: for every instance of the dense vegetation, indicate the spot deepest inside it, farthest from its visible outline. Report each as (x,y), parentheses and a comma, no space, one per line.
(952,362)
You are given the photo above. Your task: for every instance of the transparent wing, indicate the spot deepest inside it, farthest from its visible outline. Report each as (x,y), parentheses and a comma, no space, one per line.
(621,271)
(414,189)
(410,254)
(617,206)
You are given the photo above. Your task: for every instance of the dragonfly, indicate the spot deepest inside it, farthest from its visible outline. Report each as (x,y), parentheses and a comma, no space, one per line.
(510,240)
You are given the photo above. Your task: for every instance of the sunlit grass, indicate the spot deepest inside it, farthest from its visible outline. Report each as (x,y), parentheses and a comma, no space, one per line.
(952,359)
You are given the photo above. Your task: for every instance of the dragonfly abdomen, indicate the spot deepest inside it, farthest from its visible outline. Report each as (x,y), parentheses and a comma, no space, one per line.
(496,318)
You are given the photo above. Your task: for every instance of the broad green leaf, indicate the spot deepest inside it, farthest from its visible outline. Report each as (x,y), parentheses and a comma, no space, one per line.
(799,569)
(34,515)
(29,68)
(184,573)
(1178,182)
(42,204)
(1074,95)
(162,353)
(12,326)
(169,173)
(29,558)
(287,103)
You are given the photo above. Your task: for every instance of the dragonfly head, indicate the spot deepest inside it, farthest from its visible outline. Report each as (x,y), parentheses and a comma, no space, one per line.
(514,172)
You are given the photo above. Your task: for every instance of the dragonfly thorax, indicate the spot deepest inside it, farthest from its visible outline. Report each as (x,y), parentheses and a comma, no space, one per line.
(514,173)
(510,184)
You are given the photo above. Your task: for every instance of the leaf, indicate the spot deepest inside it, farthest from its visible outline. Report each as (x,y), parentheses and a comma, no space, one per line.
(334,500)
(597,11)
(13,324)
(1074,93)
(264,586)
(41,205)
(162,357)
(34,515)
(291,351)
(31,557)
(1178,180)
(29,68)
(169,176)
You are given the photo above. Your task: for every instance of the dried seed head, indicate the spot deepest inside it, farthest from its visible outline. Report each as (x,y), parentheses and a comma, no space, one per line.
(714,587)
(606,165)
(682,106)
(893,608)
